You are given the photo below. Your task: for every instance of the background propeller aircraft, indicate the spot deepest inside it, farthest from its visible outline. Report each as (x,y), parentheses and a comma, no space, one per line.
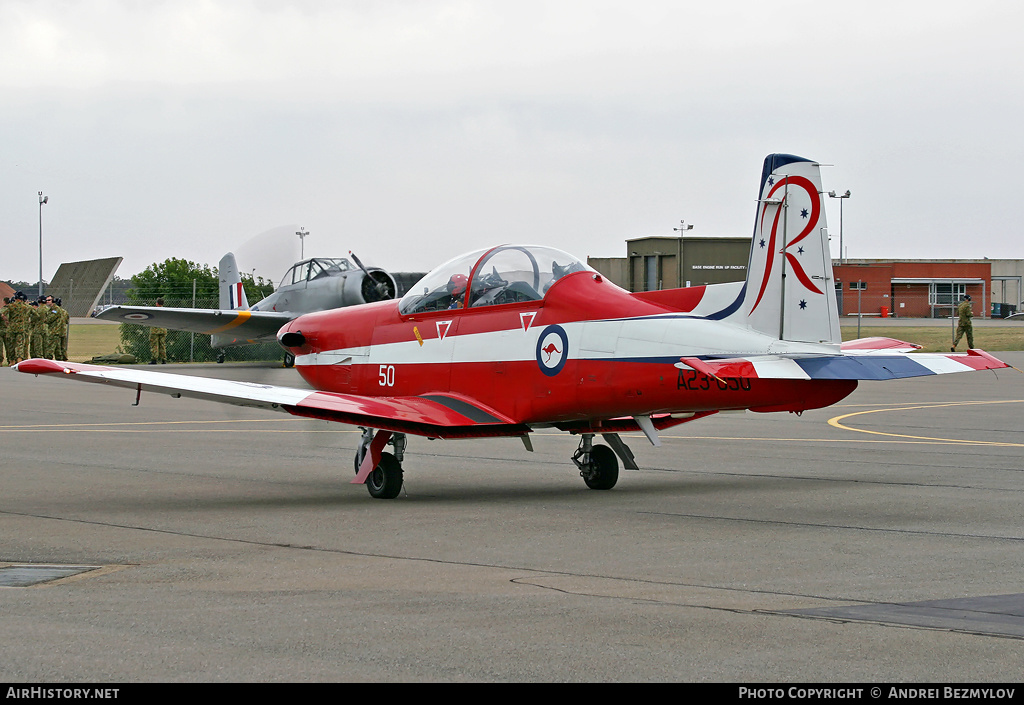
(507,340)
(315,284)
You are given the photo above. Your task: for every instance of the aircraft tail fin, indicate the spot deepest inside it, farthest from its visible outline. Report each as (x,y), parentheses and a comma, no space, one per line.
(232,293)
(790,289)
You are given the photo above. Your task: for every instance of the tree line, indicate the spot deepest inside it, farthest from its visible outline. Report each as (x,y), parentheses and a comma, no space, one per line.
(185,284)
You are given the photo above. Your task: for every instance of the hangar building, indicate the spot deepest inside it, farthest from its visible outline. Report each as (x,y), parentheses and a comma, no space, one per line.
(671,262)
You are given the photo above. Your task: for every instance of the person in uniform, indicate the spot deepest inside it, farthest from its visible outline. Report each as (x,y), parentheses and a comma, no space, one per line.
(3,332)
(964,325)
(18,314)
(38,328)
(53,329)
(158,342)
(65,327)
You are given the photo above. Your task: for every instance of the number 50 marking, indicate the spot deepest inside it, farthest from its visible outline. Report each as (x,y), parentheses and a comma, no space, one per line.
(386,376)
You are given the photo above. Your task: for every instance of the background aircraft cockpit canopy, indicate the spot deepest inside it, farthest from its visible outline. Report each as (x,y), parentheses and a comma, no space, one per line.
(316,268)
(497,275)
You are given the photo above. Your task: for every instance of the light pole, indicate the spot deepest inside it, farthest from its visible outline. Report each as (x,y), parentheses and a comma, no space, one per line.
(42,200)
(683,227)
(832,194)
(302,233)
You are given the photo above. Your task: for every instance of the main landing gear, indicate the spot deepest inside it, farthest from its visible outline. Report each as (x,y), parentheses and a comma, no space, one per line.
(386,479)
(598,465)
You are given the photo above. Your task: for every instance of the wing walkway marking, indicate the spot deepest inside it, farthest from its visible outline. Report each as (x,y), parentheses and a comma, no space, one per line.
(836,422)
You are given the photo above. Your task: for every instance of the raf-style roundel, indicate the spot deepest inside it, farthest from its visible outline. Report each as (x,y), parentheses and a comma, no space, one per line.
(552,350)
(136,316)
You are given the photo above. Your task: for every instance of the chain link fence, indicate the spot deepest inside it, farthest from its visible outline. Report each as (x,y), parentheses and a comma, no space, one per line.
(183,346)
(936,300)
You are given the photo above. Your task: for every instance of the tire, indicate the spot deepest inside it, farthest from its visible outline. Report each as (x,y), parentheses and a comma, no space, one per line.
(605,468)
(385,482)
(289,360)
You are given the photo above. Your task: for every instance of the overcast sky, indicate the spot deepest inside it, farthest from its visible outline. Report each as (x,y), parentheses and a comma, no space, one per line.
(410,131)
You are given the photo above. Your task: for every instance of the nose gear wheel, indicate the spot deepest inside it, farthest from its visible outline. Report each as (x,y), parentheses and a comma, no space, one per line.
(598,465)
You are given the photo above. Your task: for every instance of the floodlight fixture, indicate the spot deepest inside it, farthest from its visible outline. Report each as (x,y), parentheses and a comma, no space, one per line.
(832,194)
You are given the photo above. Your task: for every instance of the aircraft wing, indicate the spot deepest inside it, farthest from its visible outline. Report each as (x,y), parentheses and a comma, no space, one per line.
(434,416)
(867,364)
(244,325)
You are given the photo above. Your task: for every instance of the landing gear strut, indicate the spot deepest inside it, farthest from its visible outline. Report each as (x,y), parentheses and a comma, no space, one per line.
(386,479)
(598,465)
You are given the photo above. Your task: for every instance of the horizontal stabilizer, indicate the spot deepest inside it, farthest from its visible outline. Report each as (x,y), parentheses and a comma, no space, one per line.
(871,345)
(856,365)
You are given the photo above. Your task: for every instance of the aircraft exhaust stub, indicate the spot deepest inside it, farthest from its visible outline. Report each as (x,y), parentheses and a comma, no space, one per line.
(292,339)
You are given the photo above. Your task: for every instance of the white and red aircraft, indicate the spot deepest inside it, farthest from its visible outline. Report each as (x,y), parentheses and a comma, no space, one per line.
(510,339)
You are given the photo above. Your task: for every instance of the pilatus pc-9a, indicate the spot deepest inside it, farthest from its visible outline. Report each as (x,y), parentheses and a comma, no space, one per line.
(515,338)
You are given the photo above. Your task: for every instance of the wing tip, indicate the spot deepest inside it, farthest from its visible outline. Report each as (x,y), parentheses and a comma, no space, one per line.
(988,361)
(39,366)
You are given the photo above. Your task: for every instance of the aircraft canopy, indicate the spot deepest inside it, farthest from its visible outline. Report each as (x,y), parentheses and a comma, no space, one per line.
(316,268)
(498,275)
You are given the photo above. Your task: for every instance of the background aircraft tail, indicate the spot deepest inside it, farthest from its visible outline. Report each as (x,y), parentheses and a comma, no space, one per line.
(232,293)
(790,289)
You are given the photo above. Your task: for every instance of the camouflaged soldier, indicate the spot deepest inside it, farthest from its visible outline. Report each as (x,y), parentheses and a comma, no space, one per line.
(37,324)
(65,327)
(964,325)
(54,332)
(158,342)
(3,332)
(18,313)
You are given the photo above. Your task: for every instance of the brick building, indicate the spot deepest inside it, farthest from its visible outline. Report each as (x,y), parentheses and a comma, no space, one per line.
(912,288)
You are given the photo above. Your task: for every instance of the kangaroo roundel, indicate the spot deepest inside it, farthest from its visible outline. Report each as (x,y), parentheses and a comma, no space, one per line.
(552,350)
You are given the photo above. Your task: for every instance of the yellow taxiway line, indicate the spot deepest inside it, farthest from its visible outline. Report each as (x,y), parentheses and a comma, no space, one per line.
(836,422)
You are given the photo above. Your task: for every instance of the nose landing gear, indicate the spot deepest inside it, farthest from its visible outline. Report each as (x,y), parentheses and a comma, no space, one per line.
(598,465)
(387,477)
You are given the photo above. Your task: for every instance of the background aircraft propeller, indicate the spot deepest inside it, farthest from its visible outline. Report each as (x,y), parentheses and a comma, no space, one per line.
(377,285)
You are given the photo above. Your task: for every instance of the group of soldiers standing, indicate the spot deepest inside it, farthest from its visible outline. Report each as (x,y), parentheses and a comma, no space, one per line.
(39,329)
